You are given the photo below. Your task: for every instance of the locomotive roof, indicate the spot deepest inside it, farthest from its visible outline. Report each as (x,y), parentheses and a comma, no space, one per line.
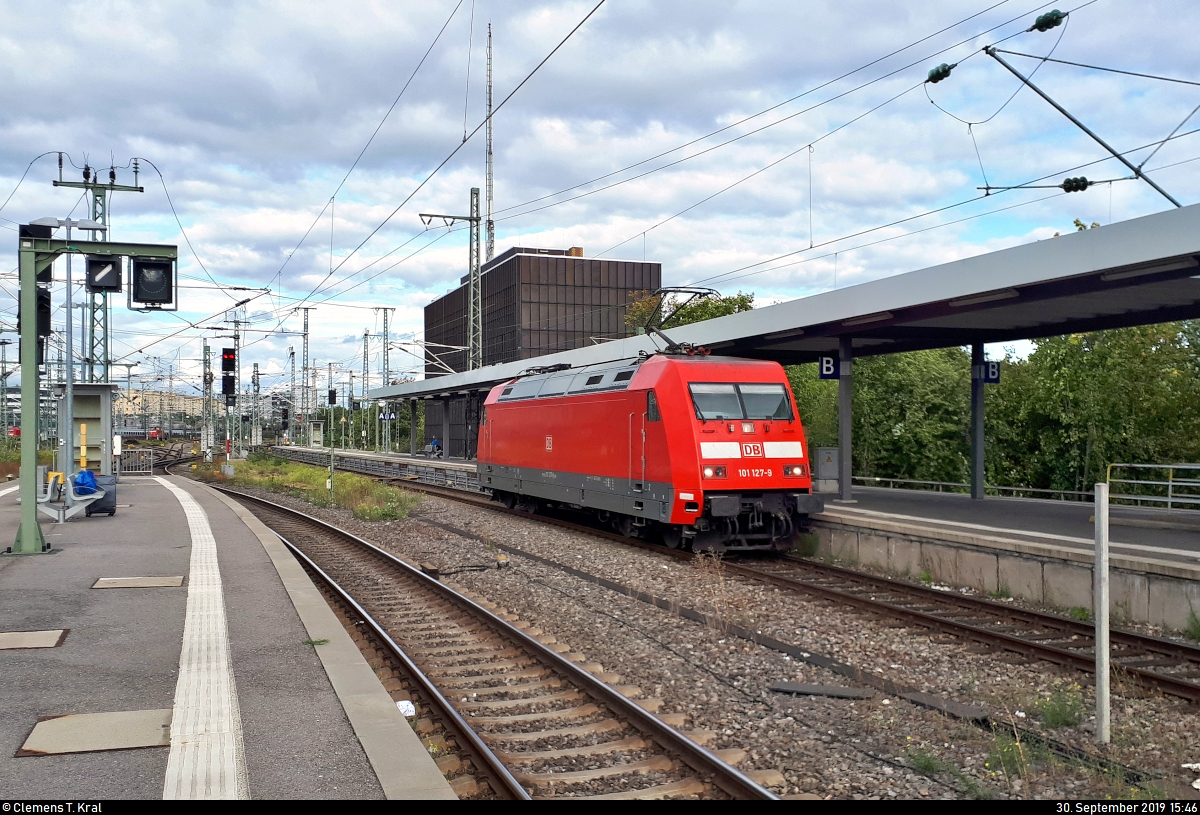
(606,376)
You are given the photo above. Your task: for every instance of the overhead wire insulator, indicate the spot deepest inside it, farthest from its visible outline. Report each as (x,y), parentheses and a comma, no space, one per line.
(1075,184)
(1047,21)
(940,72)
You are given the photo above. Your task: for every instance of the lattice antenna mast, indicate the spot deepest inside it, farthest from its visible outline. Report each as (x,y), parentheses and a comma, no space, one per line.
(305,406)
(474,297)
(489,223)
(96,361)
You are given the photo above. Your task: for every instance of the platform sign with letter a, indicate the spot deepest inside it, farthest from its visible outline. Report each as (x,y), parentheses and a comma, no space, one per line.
(828,368)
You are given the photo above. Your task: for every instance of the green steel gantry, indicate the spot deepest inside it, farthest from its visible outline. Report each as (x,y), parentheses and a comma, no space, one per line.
(37,256)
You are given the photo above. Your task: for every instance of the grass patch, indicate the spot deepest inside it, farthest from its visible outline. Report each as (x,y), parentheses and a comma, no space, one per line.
(1001,593)
(971,784)
(316,642)
(1062,708)
(924,761)
(925,577)
(1192,629)
(1084,615)
(366,498)
(806,544)
(1009,756)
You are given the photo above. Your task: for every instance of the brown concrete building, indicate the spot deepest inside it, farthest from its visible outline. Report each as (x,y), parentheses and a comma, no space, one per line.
(535,302)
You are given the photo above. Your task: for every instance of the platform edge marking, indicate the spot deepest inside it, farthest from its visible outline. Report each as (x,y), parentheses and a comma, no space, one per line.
(401,764)
(207,758)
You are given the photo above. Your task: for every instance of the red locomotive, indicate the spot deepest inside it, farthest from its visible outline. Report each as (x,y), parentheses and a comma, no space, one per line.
(707,451)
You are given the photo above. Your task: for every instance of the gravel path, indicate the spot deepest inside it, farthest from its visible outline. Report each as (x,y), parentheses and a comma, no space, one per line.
(833,748)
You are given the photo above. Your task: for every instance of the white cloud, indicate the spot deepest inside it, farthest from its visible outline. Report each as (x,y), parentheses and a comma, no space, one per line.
(254,111)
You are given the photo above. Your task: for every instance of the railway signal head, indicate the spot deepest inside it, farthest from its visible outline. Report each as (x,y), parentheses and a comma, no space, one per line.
(228,360)
(103,274)
(228,386)
(153,280)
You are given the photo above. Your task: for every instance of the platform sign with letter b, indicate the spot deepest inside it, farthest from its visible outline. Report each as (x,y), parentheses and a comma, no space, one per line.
(989,372)
(828,368)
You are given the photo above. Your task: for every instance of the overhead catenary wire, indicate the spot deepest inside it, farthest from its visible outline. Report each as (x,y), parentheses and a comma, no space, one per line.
(735,139)
(1020,85)
(778,105)
(778,161)
(454,152)
(1101,68)
(183,231)
(727,275)
(730,141)
(278,274)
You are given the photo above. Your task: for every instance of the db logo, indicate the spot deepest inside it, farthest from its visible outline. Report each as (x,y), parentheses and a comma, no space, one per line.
(752,450)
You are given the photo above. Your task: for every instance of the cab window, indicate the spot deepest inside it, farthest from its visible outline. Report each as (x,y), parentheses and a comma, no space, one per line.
(715,401)
(652,413)
(768,401)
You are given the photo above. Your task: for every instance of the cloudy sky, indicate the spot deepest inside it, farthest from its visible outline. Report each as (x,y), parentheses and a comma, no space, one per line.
(676,131)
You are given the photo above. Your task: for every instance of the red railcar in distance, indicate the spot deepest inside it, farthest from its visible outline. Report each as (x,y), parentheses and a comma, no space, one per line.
(708,452)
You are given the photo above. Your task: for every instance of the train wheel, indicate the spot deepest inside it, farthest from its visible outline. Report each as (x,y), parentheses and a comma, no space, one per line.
(672,536)
(508,500)
(624,526)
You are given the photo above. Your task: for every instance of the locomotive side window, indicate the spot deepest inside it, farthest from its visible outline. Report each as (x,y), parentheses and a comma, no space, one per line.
(766,402)
(623,376)
(652,413)
(715,401)
(593,380)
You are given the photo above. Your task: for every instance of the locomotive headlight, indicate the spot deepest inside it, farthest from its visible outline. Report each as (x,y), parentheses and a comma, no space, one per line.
(709,472)
(795,470)
(714,472)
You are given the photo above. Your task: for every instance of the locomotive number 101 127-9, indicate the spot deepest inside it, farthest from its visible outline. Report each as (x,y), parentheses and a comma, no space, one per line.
(754,473)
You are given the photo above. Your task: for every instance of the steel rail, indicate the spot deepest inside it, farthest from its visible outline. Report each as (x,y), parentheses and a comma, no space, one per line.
(1159,645)
(701,760)
(495,773)
(1061,656)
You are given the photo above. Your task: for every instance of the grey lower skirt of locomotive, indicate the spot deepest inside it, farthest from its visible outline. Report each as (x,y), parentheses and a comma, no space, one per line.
(745,521)
(739,522)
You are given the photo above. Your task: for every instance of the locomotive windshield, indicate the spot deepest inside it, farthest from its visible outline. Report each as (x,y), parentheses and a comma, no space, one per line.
(766,402)
(745,401)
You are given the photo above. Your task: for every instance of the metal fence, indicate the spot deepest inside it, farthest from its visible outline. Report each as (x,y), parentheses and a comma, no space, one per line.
(1175,485)
(433,474)
(137,462)
(958,487)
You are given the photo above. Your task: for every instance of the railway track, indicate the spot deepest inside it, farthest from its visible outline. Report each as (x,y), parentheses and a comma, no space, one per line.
(530,721)
(1164,665)
(1156,663)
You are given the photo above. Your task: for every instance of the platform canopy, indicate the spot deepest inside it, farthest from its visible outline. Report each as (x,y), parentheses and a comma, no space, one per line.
(1137,272)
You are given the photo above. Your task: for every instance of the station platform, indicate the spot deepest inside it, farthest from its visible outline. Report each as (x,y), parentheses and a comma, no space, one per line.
(1135,530)
(441,472)
(177,650)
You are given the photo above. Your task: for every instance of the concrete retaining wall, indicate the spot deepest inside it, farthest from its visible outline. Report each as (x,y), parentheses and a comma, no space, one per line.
(1159,592)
